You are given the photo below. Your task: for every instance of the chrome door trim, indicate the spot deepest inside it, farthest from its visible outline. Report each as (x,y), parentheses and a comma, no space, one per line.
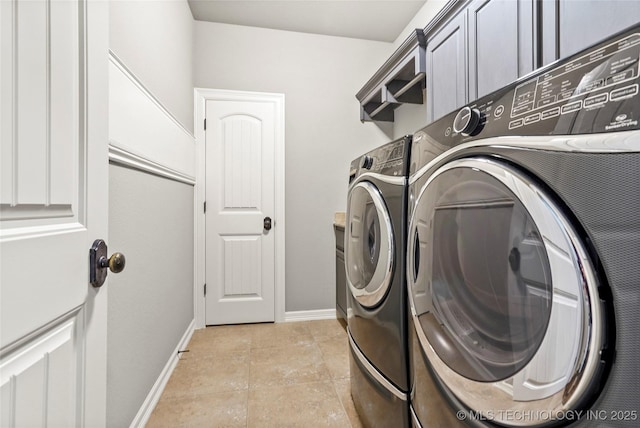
(618,142)
(414,418)
(389,179)
(586,336)
(373,371)
(373,293)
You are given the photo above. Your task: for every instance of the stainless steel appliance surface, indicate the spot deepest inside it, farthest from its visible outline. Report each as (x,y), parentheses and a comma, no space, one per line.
(375,242)
(523,251)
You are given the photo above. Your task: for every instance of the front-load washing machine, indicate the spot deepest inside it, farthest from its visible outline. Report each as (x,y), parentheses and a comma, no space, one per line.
(523,251)
(375,241)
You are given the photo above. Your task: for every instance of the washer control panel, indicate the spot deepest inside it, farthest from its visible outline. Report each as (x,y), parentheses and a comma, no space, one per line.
(390,159)
(596,90)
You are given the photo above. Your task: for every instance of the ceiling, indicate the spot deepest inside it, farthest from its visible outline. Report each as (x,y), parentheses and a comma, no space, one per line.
(380,20)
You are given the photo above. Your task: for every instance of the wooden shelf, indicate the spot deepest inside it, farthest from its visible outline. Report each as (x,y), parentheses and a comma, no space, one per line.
(400,80)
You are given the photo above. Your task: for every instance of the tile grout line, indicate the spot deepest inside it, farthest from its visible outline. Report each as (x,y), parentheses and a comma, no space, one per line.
(251,351)
(333,384)
(344,409)
(322,334)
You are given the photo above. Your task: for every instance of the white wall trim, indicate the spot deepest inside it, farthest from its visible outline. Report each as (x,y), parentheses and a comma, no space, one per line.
(115,60)
(312,315)
(139,124)
(127,158)
(201,95)
(153,397)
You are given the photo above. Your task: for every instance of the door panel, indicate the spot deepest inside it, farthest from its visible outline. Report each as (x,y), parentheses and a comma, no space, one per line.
(500,32)
(238,252)
(240,192)
(53,54)
(447,62)
(40,205)
(49,364)
(569,26)
(243,160)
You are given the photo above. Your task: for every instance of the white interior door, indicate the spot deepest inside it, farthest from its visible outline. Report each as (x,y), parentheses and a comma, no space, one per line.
(53,204)
(240,193)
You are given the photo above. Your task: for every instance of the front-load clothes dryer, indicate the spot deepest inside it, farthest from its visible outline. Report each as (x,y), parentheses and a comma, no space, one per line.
(375,240)
(523,265)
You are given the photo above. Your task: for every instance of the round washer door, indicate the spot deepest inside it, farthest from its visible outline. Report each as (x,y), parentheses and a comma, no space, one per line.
(502,293)
(368,245)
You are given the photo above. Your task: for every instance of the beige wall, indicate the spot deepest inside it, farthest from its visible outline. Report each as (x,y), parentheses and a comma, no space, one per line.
(319,76)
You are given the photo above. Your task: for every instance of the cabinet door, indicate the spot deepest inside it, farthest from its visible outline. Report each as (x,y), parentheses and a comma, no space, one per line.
(447,68)
(569,26)
(501,45)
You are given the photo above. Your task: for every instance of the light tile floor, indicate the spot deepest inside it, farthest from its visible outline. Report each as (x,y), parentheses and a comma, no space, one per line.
(261,375)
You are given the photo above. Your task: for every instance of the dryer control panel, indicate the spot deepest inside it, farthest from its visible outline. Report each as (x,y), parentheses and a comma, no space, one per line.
(390,159)
(596,90)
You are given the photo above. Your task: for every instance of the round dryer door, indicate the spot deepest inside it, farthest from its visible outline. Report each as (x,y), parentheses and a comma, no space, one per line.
(502,293)
(368,245)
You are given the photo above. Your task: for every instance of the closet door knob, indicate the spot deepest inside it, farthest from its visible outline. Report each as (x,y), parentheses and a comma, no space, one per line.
(266,223)
(99,263)
(115,263)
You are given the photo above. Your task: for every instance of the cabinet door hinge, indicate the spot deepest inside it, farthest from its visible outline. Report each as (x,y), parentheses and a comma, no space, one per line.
(205,289)
(205,124)
(205,207)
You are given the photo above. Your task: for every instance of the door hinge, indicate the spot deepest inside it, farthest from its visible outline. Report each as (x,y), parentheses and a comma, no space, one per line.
(205,124)
(205,289)
(205,206)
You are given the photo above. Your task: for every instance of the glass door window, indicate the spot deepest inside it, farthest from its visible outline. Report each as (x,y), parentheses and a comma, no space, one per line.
(502,292)
(489,275)
(369,245)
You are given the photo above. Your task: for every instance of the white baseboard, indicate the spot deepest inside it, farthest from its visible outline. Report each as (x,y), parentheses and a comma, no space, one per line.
(313,315)
(153,397)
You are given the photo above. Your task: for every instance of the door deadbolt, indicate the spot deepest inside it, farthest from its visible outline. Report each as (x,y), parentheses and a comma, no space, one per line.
(267,223)
(99,263)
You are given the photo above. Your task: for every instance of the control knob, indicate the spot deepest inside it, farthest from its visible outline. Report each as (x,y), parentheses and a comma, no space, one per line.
(367,162)
(466,121)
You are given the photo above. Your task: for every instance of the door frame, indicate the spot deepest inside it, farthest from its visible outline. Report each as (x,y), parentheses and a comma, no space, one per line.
(201,96)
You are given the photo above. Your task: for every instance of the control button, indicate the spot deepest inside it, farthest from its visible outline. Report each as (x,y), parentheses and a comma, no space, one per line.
(597,100)
(548,114)
(622,93)
(620,77)
(550,99)
(367,162)
(591,86)
(521,108)
(498,111)
(570,107)
(447,131)
(532,118)
(466,121)
(565,95)
(516,123)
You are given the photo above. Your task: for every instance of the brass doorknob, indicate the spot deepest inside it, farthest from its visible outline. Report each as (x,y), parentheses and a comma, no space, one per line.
(115,263)
(98,263)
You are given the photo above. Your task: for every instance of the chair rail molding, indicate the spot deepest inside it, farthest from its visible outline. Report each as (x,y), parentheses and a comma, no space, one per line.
(143,134)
